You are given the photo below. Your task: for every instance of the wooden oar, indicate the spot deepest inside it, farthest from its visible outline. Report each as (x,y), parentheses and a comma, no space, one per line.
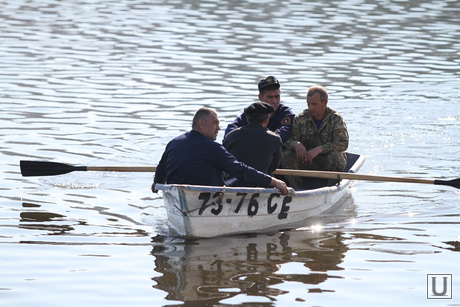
(41,168)
(342,175)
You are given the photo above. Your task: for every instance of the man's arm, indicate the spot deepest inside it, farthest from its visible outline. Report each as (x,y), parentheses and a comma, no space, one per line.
(160,172)
(228,163)
(293,143)
(277,156)
(285,126)
(280,185)
(238,122)
(340,136)
(295,134)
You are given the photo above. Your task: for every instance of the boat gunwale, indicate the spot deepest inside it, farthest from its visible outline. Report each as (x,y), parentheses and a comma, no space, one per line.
(323,190)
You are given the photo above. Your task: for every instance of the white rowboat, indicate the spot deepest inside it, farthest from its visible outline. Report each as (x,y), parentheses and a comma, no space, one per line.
(209,211)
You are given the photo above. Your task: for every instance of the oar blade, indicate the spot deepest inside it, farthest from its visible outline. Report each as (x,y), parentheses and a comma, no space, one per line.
(453,183)
(43,168)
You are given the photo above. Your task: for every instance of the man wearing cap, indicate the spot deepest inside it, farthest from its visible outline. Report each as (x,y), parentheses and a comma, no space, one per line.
(282,117)
(253,144)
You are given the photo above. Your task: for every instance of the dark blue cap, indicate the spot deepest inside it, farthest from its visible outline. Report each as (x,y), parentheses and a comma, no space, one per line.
(270,80)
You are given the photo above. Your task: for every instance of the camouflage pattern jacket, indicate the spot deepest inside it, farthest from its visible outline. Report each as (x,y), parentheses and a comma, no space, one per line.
(332,135)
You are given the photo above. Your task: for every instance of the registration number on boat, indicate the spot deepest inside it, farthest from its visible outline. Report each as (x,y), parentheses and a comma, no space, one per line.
(255,203)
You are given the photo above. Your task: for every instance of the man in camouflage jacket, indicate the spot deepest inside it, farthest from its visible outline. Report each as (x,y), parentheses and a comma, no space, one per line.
(318,139)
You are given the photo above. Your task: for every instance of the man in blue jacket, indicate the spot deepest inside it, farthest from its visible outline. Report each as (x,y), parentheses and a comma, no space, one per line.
(195,158)
(282,118)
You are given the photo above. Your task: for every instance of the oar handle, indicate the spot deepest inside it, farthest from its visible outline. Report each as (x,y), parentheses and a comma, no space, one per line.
(150,169)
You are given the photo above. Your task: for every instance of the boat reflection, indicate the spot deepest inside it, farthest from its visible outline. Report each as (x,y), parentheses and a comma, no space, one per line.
(34,218)
(208,270)
(453,246)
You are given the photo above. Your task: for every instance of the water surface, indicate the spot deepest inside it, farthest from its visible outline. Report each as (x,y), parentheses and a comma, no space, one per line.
(111,82)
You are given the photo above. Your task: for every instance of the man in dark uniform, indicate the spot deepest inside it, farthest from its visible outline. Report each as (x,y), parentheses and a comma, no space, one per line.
(195,158)
(281,120)
(253,144)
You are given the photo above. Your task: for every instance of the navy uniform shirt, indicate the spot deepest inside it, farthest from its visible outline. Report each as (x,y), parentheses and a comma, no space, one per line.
(192,158)
(255,146)
(280,122)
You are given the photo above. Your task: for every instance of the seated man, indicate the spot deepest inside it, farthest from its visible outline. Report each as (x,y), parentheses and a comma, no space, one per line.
(318,139)
(253,144)
(195,158)
(281,120)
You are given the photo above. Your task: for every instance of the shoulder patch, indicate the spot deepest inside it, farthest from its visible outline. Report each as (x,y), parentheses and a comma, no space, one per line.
(342,133)
(286,121)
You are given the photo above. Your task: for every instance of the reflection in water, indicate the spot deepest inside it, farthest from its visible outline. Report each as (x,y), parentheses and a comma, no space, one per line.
(213,269)
(453,246)
(39,220)
(43,223)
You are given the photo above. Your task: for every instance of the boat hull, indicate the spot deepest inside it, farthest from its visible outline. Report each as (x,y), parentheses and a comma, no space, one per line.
(209,211)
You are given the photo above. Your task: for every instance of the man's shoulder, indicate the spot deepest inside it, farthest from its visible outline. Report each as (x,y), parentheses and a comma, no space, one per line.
(240,118)
(283,116)
(304,113)
(285,110)
(234,132)
(273,135)
(231,136)
(248,129)
(303,118)
(180,137)
(195,138)
(334,114)
(237,122)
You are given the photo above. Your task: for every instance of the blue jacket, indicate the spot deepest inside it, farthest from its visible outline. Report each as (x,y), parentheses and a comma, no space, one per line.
(255,146)
(191,158)
(280,122)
